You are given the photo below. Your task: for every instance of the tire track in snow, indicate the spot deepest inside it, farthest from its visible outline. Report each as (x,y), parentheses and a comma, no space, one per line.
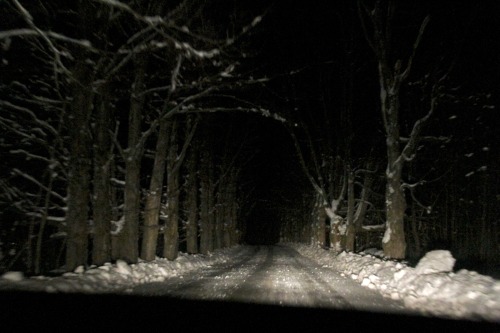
(284,279)
(208,283)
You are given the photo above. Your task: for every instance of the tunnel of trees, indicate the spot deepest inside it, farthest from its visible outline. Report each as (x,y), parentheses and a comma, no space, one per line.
(137,129)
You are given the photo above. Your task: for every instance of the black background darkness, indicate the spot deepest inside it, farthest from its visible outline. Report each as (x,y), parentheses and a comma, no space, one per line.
(307,38)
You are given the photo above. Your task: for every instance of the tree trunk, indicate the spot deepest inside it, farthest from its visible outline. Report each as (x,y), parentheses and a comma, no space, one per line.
(319,222)
(192,203)
(350,228)
(211,206)
(220,208)
(359,216)
(391,76)
(153,199)
(43,223)
(115,210)
(335,226)
(79,170)
(414,231)
(236,233)
(230,212)
(335,233)
(227,222)
(101,244)
(171,235)
(394,242)
(128,232)
(204,205)
(174,163)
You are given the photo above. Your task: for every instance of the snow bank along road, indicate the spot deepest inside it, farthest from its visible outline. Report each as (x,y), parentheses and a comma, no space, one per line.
(260,288)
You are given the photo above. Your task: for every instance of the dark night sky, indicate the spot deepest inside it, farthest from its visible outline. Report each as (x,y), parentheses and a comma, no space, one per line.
(307,36)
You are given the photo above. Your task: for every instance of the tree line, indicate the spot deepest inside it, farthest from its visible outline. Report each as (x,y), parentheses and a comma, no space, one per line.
(123,139)
(113,142)
(388,131)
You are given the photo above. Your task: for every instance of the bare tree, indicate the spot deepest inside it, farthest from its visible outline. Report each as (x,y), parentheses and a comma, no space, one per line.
(392,74)
(85,64)
(79,169)
(191,202)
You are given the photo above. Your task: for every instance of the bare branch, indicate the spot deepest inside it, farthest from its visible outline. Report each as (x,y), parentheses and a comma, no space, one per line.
(29,20)
(362,12)
(311,179)
(50,34)
(36,182)
(428,209)
(410,146)
(31,114)
(187,142)
(31,156)
(406,72)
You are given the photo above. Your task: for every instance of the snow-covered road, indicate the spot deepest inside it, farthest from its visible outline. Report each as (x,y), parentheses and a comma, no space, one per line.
(249,287)
(276,275)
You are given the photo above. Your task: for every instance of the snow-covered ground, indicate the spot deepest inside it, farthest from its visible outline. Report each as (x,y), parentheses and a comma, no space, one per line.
(431,287)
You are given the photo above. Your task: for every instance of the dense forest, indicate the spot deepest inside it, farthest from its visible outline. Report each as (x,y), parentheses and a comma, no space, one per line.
(137,129)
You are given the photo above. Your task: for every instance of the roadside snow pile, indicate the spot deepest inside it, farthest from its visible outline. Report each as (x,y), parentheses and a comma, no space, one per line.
(112,278)
(431,287)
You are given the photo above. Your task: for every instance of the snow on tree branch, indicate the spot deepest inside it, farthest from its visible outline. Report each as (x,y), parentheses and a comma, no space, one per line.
(8,34)
(156,21)
(151,20)
(58,65)
(36,182)
(203,109)
(31,114)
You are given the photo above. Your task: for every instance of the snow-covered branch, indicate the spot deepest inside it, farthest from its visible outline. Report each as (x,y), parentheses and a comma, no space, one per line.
(375,227)
(13,126)
(245,30)
(175,75)
(156,23)
(428,138)
(182,155)
(409,151)
(9,192)
(83,43)
(38,183)
(58,65)
(409,64)
(428,209)
(58,219)
(30,156)
(202,109)
(31,114)
(170,112)
(151,20)
(302,161)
